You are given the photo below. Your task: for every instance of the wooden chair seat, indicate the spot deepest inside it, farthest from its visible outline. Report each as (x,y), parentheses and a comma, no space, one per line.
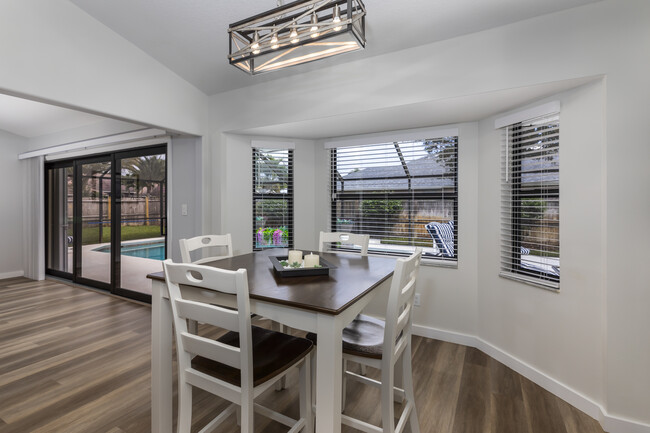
(273,353)
(363,337)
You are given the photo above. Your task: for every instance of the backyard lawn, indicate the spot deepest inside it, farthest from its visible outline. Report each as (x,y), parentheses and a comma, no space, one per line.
(90,235)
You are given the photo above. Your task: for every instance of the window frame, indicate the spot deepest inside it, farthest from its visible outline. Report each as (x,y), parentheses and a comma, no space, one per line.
(447,194)
(512,239)
(288,196)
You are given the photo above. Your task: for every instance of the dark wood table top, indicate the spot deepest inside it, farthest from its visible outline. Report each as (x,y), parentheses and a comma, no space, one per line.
(351,277)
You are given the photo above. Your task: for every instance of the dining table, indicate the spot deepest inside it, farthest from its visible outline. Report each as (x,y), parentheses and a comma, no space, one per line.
(324,304)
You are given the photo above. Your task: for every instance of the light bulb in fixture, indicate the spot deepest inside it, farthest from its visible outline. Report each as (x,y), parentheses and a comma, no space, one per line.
(274,41)
(314,26)
(336,17)
(255,46)
(294,34)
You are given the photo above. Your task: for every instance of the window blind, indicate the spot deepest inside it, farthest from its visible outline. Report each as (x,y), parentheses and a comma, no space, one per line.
(530,201)
(403,194)
(272,198)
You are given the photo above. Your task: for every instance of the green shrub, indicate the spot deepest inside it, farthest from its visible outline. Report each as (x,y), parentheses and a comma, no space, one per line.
(533,209)
(381,208)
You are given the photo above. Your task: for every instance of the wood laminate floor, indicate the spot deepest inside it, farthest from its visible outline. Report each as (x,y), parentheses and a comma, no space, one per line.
(73,360)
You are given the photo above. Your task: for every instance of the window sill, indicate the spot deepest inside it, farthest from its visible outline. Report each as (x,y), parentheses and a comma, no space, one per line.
(551,287)
(437,263)
(426,261)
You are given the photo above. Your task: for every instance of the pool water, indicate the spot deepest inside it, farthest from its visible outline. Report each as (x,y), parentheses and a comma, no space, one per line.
(152,250)
(155,251)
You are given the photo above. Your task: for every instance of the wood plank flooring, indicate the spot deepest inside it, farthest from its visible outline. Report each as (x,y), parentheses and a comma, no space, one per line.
(73,360)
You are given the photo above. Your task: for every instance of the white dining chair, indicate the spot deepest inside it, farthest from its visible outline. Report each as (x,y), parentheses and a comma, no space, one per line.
(386,345)
(344,238)
(205,241)
(240,365)
(199,243)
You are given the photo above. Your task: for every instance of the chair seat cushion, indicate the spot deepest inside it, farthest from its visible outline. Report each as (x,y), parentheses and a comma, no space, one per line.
(273,353)
(363,337)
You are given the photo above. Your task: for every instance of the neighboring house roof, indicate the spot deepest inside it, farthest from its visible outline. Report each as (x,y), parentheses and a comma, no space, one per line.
(393,177)
(544,169)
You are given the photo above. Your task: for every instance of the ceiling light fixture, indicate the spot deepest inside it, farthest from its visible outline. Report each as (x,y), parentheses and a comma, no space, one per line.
(295,33)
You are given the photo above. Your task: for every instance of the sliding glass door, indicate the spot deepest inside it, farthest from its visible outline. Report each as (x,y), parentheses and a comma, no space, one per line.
(92,243)
(142,196)
(106,220)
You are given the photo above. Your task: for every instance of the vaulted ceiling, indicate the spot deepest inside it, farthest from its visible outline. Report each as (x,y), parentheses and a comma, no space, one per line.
(190,37)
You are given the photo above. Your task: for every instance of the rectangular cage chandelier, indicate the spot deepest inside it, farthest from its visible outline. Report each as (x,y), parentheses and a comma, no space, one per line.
(295,33)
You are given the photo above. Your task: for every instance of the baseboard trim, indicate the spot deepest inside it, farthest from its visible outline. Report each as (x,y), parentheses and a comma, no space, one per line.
(14,274)
(610,423)
(615,424)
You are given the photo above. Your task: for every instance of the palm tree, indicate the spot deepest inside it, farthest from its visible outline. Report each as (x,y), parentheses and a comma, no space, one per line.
(146,171)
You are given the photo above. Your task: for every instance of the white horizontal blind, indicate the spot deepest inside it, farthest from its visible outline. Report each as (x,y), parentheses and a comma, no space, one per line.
(272,198)
(392,191)
(530,201)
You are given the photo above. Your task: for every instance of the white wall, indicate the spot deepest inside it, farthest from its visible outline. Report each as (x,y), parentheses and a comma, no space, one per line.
(235,182)
(185,179)
(559,334)
(592,337)
(11,210)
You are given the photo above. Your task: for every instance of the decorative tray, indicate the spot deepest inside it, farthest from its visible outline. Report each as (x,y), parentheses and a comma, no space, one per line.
(281,271)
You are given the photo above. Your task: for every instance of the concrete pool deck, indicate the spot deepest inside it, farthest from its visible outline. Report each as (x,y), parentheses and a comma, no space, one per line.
(95,265)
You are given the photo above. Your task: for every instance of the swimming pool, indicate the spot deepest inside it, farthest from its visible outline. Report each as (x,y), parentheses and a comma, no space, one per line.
(145,250)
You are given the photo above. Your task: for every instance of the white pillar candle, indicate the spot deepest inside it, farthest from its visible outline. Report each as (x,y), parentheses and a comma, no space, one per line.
(311,260)
(294,256)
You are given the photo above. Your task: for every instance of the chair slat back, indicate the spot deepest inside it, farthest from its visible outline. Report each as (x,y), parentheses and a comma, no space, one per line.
(345,238)
(219,280)
(207,348)
(206,241)
(211,314)
(400,305)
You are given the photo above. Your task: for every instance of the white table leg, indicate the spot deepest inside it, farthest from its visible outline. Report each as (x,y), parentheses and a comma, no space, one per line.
(328,375)
(279,327)
(161,360)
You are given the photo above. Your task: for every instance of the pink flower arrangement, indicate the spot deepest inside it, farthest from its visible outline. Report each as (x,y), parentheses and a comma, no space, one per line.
(277,237)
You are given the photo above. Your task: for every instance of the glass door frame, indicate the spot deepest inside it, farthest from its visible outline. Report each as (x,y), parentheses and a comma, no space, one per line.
(55,165)
(115,159)
(116,229)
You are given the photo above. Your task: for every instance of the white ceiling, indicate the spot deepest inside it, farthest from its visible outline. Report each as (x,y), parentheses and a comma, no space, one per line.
(34,119)
(190,37)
